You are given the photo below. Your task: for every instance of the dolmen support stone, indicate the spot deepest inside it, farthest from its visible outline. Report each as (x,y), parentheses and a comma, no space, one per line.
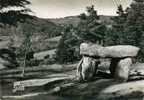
(121,60)
(87,68)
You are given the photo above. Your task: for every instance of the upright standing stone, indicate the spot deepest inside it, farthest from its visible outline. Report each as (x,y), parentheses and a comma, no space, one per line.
(79,69)
(87,68)
(122,69)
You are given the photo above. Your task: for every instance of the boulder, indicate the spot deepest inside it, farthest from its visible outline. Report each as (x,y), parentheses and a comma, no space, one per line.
(87,68)
(122,69)
(118,51)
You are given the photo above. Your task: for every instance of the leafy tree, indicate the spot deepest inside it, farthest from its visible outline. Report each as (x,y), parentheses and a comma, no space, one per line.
(25,51)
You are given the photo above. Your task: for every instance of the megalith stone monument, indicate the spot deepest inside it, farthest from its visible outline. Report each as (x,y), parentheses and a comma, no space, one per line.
(121,60)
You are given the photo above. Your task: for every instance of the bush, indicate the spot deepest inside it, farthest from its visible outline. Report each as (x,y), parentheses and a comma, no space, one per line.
(68,46)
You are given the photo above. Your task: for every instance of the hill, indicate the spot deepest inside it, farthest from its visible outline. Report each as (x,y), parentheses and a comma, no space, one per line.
(38,25)
(42,29)
(74,20)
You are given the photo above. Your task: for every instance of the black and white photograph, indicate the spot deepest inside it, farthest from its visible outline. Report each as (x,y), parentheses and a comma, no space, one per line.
(71,49)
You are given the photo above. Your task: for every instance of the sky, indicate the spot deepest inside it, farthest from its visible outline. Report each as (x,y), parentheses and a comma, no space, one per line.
(63,8)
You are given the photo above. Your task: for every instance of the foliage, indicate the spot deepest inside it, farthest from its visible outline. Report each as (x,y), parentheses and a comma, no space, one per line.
(42,30)
(8,13)
(66,50)
(89,29)
(128,26)
(135,25)
(12,12)
(25,52)
(48,61)
(90,26)
(116,35)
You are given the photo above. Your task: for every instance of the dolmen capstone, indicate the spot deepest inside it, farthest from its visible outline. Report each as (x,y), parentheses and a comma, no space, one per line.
(121,60)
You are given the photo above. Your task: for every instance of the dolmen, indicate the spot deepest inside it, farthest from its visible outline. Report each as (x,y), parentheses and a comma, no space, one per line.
(121,60)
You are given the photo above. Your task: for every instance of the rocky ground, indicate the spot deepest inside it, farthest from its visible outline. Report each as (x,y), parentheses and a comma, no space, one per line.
(102,87)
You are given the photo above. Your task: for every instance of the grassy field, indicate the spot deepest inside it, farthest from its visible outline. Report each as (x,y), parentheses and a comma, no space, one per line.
(43,54)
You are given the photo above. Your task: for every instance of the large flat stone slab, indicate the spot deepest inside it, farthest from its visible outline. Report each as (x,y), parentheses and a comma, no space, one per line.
(118,51)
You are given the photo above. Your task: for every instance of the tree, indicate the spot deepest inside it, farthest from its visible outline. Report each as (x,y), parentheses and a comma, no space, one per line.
(128,26)
(90,27)
(12,12)
(119,20)
(67,48)
(117,34)
(10,15)
(135,25)
(135,22)
(26,47)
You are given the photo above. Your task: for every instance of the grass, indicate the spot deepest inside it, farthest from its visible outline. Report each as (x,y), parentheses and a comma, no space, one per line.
(36,71)
(43,54)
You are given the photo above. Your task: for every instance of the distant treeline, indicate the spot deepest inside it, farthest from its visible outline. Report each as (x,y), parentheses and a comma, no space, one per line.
(37,25)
